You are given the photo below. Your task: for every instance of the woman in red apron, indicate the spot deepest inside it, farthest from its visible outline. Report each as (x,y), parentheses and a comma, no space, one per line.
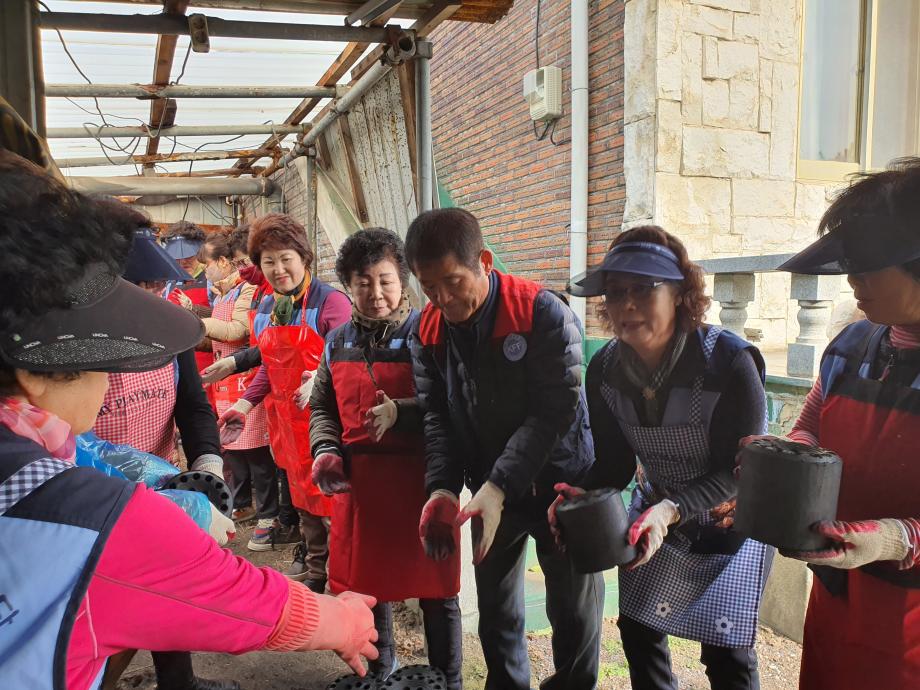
(366,436)
(249,459)
(288,328)
(862,628)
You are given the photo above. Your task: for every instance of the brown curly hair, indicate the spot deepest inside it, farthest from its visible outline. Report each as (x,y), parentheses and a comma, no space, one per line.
(278,231)
(694,301)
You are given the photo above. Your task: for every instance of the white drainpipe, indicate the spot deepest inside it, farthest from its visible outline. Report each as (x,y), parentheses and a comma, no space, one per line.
(578,230)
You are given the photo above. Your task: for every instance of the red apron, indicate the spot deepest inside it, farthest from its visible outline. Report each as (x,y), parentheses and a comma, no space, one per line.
(870,636)
(227,391)
(288,351)
(374,547)
(199,296)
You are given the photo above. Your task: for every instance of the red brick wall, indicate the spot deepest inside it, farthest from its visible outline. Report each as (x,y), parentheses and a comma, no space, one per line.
(484,146)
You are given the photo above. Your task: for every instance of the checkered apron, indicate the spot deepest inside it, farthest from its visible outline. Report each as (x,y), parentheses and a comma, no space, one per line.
(139,410)
(711,598)
(231,389)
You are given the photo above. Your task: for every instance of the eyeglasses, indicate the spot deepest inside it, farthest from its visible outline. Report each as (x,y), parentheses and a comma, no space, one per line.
(242,262)
(637,292)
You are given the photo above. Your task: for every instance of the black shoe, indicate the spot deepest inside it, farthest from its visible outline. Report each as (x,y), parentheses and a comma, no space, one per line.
(174,672)
(204,684)
(297,570)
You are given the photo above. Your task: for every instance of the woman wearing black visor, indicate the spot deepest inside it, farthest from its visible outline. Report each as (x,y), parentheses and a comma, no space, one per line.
(677,395)
(862,628)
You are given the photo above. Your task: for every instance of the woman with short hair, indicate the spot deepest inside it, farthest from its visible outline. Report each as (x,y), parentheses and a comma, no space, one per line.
(288,327)
(130,570)
(366,436)
(677,395)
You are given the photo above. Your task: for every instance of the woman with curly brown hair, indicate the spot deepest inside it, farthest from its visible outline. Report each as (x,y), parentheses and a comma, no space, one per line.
(677,395)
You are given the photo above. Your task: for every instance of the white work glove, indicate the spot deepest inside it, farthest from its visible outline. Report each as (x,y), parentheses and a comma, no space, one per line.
(208,463)
(221,369)
(381,417)
(486,509)
(232,422)
(651,528)
(855,544)
(222,528)
(302,396)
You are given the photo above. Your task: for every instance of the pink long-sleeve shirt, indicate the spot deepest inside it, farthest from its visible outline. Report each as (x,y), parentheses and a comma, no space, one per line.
(164,584)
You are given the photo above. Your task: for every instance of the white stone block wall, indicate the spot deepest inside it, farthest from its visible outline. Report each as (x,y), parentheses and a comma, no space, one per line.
(711,117)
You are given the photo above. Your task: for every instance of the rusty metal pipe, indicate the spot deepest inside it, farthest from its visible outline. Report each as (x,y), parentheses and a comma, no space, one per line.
(172,186)
(108,132)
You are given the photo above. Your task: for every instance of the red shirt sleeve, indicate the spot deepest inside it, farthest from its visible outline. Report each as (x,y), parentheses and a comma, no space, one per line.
(808,425)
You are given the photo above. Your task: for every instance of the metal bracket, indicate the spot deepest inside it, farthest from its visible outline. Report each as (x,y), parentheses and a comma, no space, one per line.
(198,31)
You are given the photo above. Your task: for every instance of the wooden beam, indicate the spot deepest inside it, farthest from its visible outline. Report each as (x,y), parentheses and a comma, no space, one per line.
(338,69)
(354,174)
(160,114)
(406,74)
(424,25)
(324,157)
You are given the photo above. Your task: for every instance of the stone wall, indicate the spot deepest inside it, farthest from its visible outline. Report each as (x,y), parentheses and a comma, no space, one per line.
(710,136)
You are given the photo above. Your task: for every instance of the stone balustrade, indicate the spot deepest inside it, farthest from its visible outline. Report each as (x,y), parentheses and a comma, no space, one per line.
(734,290)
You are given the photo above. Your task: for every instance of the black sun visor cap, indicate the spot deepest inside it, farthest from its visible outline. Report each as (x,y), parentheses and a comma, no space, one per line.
(149,262)
(111,325)
(647,259)
(861,244)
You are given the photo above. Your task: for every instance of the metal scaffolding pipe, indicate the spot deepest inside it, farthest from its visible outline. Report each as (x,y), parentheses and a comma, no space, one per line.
(338,107)
(177,91)
(92,162)
(172,186)
(423,137)
(108,132)
(178,25)
(333,7)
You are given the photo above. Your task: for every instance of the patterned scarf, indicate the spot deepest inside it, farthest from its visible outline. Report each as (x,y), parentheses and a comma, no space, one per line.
(48,430)
(381,328)
(649,382)
(283,311)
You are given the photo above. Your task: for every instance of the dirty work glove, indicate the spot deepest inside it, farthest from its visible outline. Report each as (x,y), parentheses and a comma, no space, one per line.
(302,396)
(437,528)
(329,473)
(208,462)
(233,421)
(346,626)
(381,417)
(184,301)
(486,511)
(856,544)
(565,491)
(651,528)
(218,371)
(222,528)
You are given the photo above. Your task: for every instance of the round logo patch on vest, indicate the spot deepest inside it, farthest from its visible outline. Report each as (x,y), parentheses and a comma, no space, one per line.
(514,347)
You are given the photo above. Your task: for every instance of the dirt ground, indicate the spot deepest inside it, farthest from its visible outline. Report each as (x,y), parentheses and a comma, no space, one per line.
(779,657)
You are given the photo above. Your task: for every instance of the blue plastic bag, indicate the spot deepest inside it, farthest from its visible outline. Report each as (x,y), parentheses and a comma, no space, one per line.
(132,464)
(196,505)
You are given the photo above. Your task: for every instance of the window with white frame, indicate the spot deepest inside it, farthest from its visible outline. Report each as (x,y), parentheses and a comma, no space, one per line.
(860,86)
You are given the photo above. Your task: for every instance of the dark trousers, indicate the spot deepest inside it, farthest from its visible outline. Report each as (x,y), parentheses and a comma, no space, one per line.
(315,532)
(728,668)
(443,637)
(253,471)
(287,513)
(574,606)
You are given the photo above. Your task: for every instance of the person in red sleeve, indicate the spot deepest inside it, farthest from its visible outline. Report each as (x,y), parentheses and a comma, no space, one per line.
(862,626)
(366,436)
(131,570)
(288,327)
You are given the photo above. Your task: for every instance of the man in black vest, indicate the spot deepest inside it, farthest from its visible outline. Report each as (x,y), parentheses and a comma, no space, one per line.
(497,363)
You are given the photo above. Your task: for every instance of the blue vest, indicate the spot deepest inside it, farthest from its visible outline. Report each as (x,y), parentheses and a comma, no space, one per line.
(54,521)
(315,299)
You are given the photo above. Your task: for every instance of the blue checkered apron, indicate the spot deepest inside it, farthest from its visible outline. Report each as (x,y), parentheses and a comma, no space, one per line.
(28,478)
(711,598)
